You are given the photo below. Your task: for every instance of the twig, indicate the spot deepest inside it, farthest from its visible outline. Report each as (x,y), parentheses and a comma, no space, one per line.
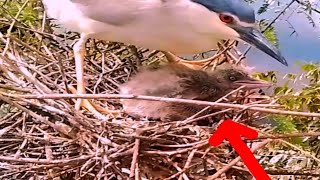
(301,150)
(305,4)
(180,151)
(36,116)
(62,162)
(155,98)
(267,27)
(233,162)
(174,164)
(12,25)
(206,108)
(190,157)
(282,136)
(134,162)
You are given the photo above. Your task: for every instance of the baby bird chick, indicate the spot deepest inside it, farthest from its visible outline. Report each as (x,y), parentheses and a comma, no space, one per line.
(179,81)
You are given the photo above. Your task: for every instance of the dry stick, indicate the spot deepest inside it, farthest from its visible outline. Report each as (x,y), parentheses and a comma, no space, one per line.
(144,138)
(134,162)
(6,119)
(137,174)
(11,75)
(42,88)
(61,68)
(283,172)
(12,25)
(212,114)
(205,116)
(162,99)
(206,108)
(182,171)
(31,48)
(282,136)
(52,109)
(50,36)
(43,25)
(300,149)
(34,115)
(175,165)
(21,69)
(101,75)
(314,173)
(7,128)
(179,151)
(62,162)
(228,52)
(233,162)
(24,143)
(13,88)
(296,147)
(214,59)
(3,68)
(190,157)
(25,67)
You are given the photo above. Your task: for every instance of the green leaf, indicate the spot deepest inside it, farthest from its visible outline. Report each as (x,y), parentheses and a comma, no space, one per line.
(308,67)
(271,35)
(263,8)
(284,124)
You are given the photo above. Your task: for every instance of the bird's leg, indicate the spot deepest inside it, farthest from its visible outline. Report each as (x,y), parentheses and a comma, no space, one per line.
(79,54)
(192,64)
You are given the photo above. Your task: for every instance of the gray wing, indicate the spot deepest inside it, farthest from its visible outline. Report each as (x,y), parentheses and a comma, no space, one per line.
(115,12)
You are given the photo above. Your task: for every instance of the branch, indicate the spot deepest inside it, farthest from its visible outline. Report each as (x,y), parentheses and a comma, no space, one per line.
(306,5)
(162,99)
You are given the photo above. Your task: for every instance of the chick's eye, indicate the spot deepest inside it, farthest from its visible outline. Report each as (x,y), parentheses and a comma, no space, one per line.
(226,18)
(232,78)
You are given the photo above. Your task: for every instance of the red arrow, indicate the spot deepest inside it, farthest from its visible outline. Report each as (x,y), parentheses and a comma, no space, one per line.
(233,131)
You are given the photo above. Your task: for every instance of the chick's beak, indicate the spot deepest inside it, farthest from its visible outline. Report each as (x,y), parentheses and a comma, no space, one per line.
(256,38)
(252,83)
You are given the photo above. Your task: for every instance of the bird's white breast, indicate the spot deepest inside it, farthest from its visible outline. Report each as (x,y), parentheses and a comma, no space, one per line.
(156,26)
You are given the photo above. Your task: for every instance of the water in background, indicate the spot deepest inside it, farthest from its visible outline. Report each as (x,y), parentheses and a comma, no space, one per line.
(302,46)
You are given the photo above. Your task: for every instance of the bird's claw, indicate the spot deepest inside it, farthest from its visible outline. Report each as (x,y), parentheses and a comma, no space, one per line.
(98,111)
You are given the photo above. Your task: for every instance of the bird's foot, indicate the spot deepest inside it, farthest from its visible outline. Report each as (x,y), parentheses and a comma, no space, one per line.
(96,109)
(195,64)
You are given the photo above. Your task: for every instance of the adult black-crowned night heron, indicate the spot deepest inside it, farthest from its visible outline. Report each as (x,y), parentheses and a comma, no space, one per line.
(171,26)
(180,81)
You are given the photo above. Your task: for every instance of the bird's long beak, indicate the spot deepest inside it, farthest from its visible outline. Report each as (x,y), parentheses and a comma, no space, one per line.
(256,38)
(253,83)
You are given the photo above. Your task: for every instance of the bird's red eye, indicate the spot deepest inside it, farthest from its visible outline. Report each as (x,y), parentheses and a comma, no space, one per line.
(226,18)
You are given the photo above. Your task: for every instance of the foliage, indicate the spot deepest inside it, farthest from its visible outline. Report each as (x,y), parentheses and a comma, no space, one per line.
(263,8)
(268,76)
(269,32)
(306,99)
(29,15)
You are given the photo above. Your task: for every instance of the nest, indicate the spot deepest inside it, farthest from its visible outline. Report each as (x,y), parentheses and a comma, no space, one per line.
(43,137)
